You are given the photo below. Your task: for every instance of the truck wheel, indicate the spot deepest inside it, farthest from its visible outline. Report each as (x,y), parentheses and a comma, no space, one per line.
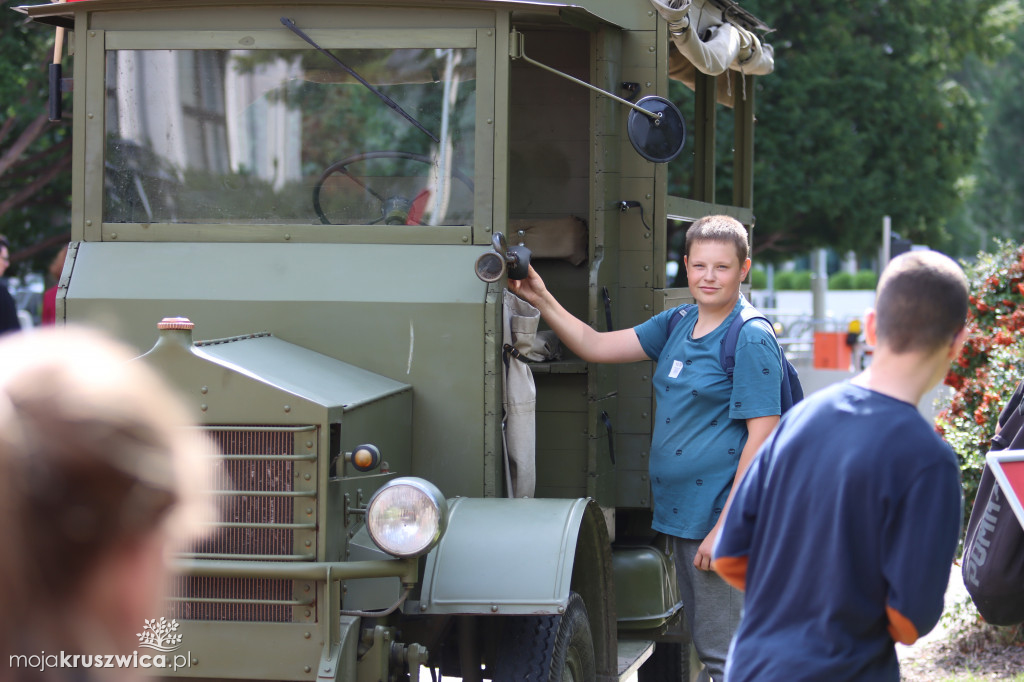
(547,648)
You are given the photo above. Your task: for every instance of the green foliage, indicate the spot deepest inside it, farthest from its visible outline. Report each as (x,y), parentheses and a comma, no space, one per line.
(35,155)
(864,117)
(840,281)
(793,279)
(865,279)
(989,368)
(758,278)
(995,187)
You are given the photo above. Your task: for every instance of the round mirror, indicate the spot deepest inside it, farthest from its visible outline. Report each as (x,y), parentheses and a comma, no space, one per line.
(657,139)
(490,267)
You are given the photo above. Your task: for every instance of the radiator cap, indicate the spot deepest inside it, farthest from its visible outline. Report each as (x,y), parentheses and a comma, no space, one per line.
(175,323)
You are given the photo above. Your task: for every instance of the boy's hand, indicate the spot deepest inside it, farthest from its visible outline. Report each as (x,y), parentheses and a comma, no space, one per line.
(530,289)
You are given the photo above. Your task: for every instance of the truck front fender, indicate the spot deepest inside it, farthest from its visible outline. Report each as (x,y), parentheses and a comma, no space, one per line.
(516,557)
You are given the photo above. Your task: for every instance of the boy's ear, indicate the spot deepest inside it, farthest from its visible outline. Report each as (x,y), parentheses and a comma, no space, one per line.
(745,268)
(871,327)
(958,343)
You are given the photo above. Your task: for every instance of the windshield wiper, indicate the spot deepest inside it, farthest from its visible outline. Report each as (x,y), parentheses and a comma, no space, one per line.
(290,25)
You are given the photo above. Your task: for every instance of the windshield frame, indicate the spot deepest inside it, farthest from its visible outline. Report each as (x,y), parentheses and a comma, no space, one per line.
(100,42)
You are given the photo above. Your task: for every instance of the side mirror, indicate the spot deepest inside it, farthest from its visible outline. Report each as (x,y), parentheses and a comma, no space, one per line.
(514,260)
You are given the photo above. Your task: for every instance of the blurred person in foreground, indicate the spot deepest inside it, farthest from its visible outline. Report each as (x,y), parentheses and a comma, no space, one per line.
(8,309)
(843,531)
(99,481)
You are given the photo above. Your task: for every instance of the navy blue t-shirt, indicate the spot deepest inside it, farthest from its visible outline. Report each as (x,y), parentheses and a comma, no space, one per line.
(851,508)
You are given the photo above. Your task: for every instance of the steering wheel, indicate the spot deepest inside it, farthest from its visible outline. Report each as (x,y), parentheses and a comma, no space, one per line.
(394,209)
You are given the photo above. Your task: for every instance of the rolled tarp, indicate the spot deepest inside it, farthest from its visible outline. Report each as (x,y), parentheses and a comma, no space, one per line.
(709,41)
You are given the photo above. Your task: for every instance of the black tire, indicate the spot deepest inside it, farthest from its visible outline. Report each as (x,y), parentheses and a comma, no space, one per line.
(670,662)
(547,648)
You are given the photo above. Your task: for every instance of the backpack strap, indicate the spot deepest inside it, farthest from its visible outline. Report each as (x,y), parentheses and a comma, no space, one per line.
(727,356)
(678,315)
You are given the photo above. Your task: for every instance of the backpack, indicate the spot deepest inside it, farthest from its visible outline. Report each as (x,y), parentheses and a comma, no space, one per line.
(791,392)
(993,558)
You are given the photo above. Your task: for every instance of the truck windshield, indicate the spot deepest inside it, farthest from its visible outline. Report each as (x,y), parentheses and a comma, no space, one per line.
(289,137)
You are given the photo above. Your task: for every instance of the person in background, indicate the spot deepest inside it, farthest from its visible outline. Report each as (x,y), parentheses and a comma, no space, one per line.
(707,427)
(49,312)
(8,309)
(98,481)
(845,526)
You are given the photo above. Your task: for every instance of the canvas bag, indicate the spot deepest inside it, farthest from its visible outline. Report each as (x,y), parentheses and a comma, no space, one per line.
(993,561)
(521,342)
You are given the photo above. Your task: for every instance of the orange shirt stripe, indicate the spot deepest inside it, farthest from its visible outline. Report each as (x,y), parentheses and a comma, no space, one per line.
(733,570)
(900,627)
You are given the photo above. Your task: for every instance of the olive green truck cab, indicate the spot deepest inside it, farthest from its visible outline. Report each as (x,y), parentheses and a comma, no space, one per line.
(303,197)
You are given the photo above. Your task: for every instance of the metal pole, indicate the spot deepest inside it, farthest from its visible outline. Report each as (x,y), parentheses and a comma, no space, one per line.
(819,287)
(886,242)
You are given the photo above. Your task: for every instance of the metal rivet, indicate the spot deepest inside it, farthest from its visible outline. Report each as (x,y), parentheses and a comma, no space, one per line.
(88,223)
(203,407)
(423,607)
(309,510)
(561,609)
(465,239)
(306,668)
(195,661)
(308,614)
(306,477)
(89,115)
(647,267)
(651,48)
(204,390)
(490,120)
(309,443)
(309,543)
(306,635)
(494,608)
(287,237)
(113,235)
(92,34)
(287,408)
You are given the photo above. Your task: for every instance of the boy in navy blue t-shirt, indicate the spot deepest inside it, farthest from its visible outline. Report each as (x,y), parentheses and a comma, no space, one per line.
(843,530)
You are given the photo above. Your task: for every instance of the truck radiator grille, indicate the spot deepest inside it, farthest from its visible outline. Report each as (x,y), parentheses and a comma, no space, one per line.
(263,506)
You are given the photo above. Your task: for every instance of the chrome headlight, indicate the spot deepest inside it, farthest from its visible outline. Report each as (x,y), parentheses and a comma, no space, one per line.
(407,516)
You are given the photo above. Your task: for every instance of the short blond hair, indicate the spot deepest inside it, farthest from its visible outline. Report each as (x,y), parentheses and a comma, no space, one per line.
(720,228)
(921,302)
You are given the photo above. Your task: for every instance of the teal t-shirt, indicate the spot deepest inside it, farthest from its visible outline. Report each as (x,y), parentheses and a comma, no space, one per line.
(700,420)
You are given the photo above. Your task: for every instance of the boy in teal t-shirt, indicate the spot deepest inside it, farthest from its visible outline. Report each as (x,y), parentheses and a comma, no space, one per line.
(715,427)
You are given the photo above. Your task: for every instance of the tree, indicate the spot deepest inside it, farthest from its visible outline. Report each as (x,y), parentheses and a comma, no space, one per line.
(35,155)
(864,118)
(995,206)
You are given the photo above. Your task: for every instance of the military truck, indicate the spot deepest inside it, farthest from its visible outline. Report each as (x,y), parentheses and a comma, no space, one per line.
(304,213)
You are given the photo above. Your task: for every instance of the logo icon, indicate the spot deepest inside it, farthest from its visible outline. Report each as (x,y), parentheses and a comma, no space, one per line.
(159,635)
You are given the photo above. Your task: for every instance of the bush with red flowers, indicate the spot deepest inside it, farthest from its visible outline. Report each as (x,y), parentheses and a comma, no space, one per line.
(991,364)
